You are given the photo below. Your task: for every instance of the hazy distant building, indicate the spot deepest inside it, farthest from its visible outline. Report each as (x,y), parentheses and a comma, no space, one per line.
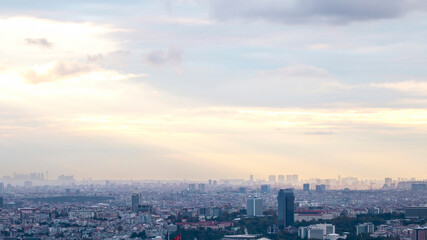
(365,228)
(214,182)
(251,178)
(388,181)
(242,190)
(416,212)
(64,178)
(1,202)
(281,178)
(295,178)
(272,178)
(265,188)
(28,184)
(292,179)
(18,176)
(254,206)
(306,187)
(320,188)
(36,176)
(1,188)
(285,212)
(202,187)
(192,186)
(136,201)
(419,187)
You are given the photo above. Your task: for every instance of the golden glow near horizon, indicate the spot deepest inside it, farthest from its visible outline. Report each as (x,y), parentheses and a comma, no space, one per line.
(63,110)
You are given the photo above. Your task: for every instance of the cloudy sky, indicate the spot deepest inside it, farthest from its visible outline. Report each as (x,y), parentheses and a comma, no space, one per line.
(198,89)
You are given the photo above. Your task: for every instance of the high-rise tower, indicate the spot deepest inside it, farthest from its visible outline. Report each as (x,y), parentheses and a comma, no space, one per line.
(136,201)
(285,213)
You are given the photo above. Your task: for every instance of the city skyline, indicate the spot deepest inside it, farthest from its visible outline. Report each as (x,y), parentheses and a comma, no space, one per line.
(187,89)
(281,178)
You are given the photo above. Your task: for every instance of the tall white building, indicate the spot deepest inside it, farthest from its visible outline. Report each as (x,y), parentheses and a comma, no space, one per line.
(317,231)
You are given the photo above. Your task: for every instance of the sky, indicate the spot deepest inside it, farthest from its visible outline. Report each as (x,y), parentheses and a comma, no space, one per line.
(212,89)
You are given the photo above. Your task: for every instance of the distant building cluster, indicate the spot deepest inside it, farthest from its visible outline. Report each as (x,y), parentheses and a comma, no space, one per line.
(66,208)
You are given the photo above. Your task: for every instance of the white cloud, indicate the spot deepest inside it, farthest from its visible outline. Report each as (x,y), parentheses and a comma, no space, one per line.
(71,40)
(300,71)
(409,87)
(56,71)
(319,46)
(283,86)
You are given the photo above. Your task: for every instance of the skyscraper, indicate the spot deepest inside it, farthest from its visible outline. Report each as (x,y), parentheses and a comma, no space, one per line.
(281,178)
(202,187)
(272,178)
(388,181)
(285,213)
(295,179)
(136,201)
(1,202)
(265,188)
(254,206)
(306,187)
(320,188)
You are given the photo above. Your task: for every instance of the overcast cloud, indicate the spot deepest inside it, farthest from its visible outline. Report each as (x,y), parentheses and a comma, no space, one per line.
(313,11)
(157,89)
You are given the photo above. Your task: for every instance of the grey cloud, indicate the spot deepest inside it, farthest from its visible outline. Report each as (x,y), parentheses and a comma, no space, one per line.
(172,56)
(40,42)
(95,57)
(312,11)
(58,71)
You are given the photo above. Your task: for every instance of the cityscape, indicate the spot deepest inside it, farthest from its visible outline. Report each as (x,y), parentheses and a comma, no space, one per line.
(213,119)
(278,207)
